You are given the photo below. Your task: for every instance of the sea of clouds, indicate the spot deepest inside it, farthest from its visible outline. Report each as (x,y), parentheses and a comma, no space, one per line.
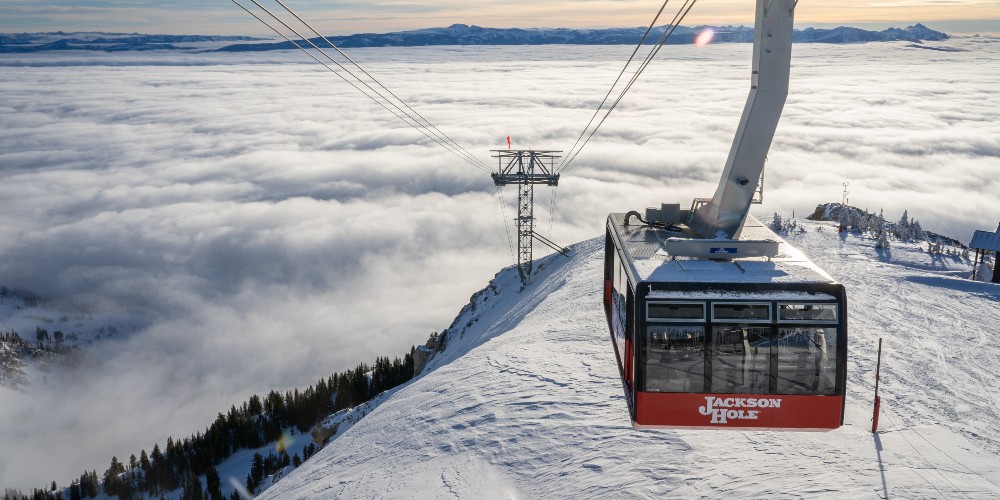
(274,226)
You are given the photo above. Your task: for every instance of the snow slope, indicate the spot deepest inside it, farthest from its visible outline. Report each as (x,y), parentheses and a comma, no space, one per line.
(526,402)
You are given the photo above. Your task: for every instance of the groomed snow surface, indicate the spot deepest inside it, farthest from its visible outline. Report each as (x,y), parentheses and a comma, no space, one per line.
(526,402)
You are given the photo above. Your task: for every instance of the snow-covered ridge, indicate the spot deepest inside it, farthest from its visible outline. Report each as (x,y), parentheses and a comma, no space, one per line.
(525,401)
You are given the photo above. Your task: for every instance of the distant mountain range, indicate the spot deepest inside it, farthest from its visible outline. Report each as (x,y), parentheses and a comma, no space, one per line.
(108,42)
(456,34)
(460,34)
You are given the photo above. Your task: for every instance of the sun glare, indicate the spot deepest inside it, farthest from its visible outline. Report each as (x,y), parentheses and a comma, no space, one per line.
(705,37)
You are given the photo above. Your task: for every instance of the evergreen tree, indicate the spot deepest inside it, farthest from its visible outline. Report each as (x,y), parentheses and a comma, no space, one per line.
(94,483)
(251,485)
(777,224)
(254,406)
(88,484)
(196,490)
(112,479)
(903,227)
(882,242)
(257,468)
(855,221)
(917,232)
(878,224)
(213,484)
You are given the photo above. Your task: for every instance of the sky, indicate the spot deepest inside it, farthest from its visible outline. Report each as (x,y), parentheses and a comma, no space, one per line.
(336,17)
(273,226)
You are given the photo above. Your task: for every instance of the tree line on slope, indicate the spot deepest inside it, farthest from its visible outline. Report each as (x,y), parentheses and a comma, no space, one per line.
(257,422)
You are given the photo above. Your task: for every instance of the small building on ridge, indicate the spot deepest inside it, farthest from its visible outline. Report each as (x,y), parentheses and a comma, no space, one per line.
(984,242)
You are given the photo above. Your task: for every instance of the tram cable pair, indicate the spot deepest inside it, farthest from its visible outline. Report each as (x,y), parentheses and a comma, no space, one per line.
(387,99)
(667,32)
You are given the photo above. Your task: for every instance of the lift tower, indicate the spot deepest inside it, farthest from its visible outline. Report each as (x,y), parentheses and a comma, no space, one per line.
(526,167)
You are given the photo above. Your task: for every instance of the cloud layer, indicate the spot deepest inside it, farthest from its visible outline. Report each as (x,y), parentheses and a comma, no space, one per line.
(274,226)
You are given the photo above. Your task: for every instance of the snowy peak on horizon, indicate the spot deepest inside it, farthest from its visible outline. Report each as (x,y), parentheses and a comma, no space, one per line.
(525,401)
(456,34)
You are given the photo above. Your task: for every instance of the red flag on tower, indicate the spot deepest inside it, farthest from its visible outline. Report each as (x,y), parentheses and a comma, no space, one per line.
(508,142)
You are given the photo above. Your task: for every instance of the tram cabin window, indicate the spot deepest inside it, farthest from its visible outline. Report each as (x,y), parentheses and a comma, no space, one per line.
(741,359)
(741,312)
(675,311)
(619,287)
(807,360)
(675,358)
(807,312)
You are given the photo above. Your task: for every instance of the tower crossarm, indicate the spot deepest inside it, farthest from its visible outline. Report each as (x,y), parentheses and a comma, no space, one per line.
(525,167)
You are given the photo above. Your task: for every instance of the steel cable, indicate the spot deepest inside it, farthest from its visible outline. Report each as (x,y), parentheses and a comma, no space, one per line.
(405,117)
(681,14)
(427,122)
(615,84)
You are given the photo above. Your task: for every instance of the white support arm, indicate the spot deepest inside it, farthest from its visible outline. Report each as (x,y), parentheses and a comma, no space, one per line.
(772,54)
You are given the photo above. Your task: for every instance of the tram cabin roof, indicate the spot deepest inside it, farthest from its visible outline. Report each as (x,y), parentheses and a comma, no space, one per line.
(650,261)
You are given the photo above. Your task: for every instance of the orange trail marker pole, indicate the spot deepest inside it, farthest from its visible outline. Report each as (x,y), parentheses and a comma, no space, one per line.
(878,402)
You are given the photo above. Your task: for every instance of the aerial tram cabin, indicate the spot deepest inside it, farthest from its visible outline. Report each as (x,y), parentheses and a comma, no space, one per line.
(751,342)
(715,320)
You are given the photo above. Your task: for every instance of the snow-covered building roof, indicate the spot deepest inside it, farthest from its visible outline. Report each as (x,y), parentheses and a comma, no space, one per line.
(985,240)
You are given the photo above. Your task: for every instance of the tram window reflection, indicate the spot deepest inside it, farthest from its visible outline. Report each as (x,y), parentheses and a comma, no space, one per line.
(807,360)
(741,359)
(807,312)
(741,312)
(675,358)
(676,311)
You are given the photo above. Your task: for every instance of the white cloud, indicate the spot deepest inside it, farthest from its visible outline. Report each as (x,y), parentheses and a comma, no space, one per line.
(275,226)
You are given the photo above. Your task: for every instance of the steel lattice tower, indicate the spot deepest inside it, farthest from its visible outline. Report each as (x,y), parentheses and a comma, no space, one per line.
(526,168)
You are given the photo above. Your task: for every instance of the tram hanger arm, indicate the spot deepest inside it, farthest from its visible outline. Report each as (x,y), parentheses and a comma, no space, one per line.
(772,53)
